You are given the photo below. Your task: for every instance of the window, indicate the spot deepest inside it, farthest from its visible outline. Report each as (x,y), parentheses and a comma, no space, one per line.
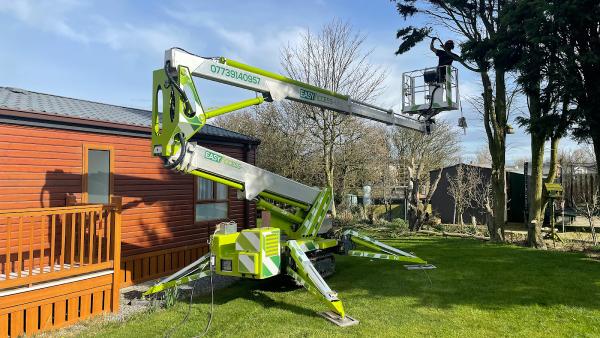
(97,174)
(211,200)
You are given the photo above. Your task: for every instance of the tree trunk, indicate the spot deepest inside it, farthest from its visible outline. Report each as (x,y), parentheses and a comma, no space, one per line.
(454,220)
(329,174)
(329,170)
(494,121)
(416,211)
(553,172)
(489,220)
(414,206)
(596,142)
(498,180)
(499,208)
(500,141)
(534,234)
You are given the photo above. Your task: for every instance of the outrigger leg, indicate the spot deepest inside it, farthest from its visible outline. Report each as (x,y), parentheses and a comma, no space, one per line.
(192,272)
(352,239)
(305,274)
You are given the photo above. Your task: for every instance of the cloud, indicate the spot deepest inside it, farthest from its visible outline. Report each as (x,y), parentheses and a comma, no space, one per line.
(74,20)
(126,36)
(240,38)
(259,46)
(49,16)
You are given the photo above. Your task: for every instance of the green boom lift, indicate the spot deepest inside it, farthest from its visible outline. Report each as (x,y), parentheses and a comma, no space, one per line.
(292,243)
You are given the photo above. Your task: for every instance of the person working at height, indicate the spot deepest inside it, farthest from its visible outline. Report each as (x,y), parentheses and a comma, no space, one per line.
(445,57)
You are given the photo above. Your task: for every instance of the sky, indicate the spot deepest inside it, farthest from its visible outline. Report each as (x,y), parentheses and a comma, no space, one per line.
(106,51)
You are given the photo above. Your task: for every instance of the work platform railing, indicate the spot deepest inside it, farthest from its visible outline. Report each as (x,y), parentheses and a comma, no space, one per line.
(430,88)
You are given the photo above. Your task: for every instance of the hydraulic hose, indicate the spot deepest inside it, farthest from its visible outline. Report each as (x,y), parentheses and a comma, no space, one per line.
(188,111)
(179,159)
(431,99)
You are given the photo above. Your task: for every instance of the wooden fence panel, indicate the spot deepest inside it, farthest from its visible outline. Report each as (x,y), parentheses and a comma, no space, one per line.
(576,186)
(45,245)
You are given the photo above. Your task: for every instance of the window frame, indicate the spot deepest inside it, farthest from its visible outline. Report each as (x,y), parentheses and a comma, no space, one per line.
(111,175)
(210,201)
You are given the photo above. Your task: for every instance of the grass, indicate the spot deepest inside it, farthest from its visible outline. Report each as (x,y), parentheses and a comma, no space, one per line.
(478,289)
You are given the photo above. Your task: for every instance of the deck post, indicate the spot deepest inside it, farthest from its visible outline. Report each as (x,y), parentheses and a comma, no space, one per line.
(117,203)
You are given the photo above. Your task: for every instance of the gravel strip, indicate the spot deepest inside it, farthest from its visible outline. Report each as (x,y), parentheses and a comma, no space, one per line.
(132,304)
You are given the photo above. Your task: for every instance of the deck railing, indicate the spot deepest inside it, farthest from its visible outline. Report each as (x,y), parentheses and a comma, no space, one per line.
(44,244)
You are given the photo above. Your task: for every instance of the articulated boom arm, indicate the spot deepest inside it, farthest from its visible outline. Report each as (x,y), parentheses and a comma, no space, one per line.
(183,113)
(178,114)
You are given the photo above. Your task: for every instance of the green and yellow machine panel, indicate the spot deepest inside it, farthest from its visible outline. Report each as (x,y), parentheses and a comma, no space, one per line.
(252,253)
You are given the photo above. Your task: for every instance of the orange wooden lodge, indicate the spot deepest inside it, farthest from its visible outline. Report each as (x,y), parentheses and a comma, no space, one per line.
(86,210)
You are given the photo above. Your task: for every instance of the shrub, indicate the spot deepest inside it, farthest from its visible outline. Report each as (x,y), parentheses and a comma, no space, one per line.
(171,296)
(433,220)
(342,223)
(399,224)
(471,229)
(345,215)
(381,221)
(439,227)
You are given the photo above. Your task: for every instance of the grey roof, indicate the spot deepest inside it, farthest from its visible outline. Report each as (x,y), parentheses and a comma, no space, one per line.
(28,101)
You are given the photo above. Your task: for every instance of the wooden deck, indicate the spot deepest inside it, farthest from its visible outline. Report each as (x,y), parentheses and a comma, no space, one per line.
(39,271)
(58,265)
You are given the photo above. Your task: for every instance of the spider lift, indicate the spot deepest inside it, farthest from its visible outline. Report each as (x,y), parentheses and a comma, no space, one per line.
(292,244)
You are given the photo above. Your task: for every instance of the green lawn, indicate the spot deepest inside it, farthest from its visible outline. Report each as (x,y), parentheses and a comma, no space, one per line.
(478,290)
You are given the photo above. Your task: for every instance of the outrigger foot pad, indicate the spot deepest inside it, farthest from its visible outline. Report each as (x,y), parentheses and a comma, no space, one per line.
(420,267)
(338,320)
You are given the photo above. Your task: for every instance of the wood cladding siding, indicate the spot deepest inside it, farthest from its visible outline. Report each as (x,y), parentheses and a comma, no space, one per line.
(151,265)
(40,166)
(53,307)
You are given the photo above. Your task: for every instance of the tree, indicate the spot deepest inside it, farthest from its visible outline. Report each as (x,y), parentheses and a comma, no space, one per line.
(285,146)
(576,165)
(535,50)
(481,198)
(461,187)
(578,21)
(589,206)
(420,154)
(333,59)
(584,154)
(478,23)
(367,161)
(482,157)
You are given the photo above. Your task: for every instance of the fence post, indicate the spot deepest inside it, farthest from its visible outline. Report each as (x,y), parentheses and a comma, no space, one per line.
(116,203)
